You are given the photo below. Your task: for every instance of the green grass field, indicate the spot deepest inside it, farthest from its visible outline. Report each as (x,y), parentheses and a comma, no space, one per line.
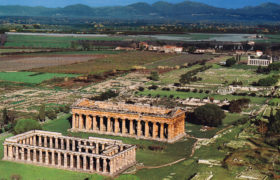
(30,77)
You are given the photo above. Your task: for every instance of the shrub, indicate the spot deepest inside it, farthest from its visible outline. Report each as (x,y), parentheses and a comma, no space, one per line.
(25,125)
(230,62)
(141,88)
(105,96)
(268,81)
(153,87)
(209,114)
(154,76)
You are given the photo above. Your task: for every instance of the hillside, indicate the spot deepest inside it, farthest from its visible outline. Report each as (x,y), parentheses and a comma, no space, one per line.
(185,11)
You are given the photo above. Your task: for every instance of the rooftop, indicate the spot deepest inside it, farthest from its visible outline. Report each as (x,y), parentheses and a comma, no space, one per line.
(127,108)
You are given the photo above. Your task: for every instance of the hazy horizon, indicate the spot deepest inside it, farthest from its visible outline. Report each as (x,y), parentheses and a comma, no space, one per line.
(100,3)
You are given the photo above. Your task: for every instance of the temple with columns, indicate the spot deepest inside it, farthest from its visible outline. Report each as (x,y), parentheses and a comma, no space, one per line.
(128,120)
(93,155)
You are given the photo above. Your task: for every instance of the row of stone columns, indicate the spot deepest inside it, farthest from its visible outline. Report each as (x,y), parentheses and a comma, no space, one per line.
(60,159)
(63,144)
(258,62)
(120,126)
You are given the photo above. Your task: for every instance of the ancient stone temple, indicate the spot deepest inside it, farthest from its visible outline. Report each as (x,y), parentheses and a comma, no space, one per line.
(92,155)
(137,121)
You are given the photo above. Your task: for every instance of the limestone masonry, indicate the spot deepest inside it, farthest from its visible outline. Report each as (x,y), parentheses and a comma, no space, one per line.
(137,121)
(93,155)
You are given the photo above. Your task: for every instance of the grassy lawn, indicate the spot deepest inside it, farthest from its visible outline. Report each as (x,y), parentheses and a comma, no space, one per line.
(222,74)
(30,77)
(184,95)
(121,61)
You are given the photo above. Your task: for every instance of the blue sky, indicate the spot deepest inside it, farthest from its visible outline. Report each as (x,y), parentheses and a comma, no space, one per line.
(98,3)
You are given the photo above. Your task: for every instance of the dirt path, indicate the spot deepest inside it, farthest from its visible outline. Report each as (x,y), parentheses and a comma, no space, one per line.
(164,165)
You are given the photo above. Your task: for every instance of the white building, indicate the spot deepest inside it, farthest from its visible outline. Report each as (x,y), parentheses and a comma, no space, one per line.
(259,59)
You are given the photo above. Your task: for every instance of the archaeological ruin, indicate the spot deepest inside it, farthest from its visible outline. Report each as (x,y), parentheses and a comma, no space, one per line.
(93,155)
(128,120)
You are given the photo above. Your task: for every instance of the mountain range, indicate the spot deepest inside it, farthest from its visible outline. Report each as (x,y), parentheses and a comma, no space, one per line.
(186,11)
(101,3)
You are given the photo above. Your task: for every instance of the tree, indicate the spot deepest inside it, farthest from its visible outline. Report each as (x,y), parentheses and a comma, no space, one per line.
(209,114)
(274,122)
(230,62)
(51,114)
(25,125)
(42,113)
(154,76)
(5,116)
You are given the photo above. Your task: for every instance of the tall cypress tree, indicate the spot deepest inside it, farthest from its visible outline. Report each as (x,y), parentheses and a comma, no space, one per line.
(42,113)
(5,116)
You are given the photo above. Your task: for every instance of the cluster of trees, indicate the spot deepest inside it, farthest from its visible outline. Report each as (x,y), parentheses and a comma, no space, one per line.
(51,113)
(268,81)
(236,106)
(272,129)
(266,70)
(209,115)
(105,96)
(24,125)
(237,83)
(188,77)
(194,90)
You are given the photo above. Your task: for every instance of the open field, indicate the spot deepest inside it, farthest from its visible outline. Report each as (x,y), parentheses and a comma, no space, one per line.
(184,95)
(30,77)
(180,60)
(122,61)
(18,63)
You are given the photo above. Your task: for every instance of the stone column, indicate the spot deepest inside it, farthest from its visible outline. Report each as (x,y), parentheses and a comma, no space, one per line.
(111,166)
(56,143)
(10,152)
(94,123)
(84,163)
(27,141)
(35,156)
(31,141)
(123,127)
(73,145)
(87,122)
(79,145)
(35,141)
(81,121)
(78,162)
(139,128)
(47,158)
(5,151)
(40,156)
(24,141)
(28,155)
(97,164)
(40,140)
(53,158)
(170,131)
(101,124)
(45,141)
(73,121)
(71,161)
(67,144)
(104,165)
(22,154)
(117,125)
(91,164)
(131,127)
(97,148)
(65,160)
(62,143)
(109,126)
(102,146)
(51,142)
(161,131)
(16,152)
(147,129)
(59,159)
(155,130)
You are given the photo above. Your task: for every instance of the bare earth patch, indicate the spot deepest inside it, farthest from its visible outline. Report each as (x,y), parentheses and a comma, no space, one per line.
(18,63)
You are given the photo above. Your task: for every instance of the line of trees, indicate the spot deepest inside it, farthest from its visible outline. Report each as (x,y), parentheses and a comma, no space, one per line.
(189,76)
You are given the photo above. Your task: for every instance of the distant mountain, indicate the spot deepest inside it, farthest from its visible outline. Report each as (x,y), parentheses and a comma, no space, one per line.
(186,11)
(103,3)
